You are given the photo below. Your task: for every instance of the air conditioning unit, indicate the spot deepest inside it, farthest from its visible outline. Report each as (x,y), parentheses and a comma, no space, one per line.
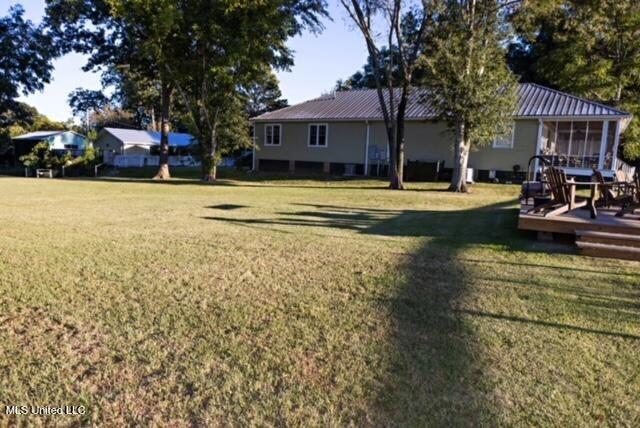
(470,173)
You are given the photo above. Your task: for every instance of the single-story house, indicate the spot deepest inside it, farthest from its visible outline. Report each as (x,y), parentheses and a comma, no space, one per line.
(344,133)
(136,148)
(59,141)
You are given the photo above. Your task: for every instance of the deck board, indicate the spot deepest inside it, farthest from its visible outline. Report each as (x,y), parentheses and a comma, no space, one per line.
(576,220)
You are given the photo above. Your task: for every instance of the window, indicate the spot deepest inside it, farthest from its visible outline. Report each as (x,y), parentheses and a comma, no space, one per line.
(272,135)
(318,135)
(505,141)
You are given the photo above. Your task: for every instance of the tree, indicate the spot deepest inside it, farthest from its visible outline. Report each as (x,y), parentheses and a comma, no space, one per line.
(26,52)
(84,102)
(366,78)
(586,47)
(226,46)
(473,89)
(406,26)
(113,117)
(263,95)
(138,35)
(152,26)
(137,93)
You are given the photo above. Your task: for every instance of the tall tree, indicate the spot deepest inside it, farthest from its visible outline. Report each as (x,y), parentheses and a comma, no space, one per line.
(263,95)
(84,102)
(474,90)
(152,26)
(405,27)
(136,34)
(366,78)
(586,47)
(225,46)
(26,52)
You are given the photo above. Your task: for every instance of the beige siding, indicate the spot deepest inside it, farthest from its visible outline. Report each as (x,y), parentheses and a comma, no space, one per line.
(429,141)
(345,144)
(524,146)
(425,141)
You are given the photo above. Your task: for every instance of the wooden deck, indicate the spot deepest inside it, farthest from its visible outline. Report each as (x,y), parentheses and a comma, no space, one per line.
(605,236)
(577,220)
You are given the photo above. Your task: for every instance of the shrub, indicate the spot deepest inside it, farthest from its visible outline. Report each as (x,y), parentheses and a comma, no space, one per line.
(83,165)
(41,157)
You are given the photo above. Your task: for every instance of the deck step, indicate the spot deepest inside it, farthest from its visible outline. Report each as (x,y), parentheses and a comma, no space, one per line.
(619,239)
(594,249)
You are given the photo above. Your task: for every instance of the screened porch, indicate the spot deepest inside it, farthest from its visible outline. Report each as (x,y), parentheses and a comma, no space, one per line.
(580,146)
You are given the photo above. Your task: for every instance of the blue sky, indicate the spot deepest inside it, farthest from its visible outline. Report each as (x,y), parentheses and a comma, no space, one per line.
(320,61)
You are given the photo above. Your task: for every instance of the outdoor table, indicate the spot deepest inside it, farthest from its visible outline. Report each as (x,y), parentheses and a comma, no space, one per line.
(593,185)
(44,172)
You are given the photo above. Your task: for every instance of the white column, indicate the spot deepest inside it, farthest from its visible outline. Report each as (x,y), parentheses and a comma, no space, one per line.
(538,149)
(614,159)
(603,144)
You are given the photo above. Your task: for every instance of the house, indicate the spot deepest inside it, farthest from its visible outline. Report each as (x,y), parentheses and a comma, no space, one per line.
(135,148)
(59,141)
(344,132)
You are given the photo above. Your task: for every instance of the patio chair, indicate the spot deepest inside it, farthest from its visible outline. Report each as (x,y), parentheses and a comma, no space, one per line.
(563,196)
(633,203)
(614,193)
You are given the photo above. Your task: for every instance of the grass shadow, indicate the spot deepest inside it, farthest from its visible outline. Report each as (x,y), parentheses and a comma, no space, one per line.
(436,373)
(435,376)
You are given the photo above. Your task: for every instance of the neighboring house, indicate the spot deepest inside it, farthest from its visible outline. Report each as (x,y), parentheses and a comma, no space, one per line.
(59,141)
(344,132)
(135,148)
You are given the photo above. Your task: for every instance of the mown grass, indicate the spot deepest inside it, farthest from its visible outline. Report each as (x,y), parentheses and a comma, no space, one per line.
(301,302)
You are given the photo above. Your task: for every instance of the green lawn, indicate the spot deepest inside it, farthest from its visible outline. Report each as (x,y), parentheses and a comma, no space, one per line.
(299,302)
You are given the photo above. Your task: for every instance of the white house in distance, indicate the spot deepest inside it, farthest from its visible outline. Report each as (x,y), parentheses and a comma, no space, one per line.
(59,141)
(136,148)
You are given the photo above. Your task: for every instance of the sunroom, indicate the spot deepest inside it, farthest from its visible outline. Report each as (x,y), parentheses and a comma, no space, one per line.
(580,146)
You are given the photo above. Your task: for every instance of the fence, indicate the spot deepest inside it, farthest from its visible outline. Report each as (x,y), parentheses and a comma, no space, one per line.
(139,161)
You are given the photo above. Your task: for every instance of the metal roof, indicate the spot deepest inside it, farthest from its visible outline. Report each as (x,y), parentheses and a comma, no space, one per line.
(362,104)
(38,135)
(539,101)
(149,138)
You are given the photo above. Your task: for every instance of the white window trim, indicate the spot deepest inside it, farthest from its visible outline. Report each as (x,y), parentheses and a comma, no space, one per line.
(326,139)
(495,144)
(273,125)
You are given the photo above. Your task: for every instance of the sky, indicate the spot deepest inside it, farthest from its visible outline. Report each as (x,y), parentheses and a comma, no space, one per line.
(320,60)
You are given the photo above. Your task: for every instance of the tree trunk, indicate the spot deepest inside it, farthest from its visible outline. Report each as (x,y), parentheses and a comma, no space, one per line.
(398,179)
(209,164)
(163,170)
(461,160)
(154,126)
(395,174)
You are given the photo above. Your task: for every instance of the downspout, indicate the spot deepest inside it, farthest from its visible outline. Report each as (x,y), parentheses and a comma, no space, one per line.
(366,150)
(253,157)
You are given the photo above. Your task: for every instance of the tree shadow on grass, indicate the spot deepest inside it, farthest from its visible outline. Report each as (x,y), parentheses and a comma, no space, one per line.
(432,372)
(435,373)
(482,225)
(267,181)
